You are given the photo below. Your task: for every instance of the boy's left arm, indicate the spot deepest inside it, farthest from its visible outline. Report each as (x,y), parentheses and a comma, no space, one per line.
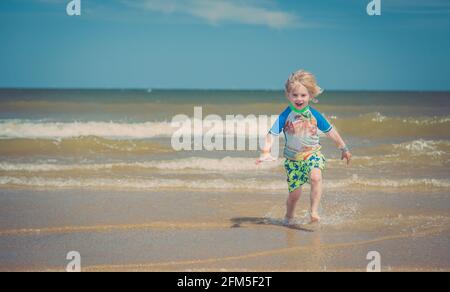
(334,135)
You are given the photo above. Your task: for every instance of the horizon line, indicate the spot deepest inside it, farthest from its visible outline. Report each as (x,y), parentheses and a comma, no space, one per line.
(213,89)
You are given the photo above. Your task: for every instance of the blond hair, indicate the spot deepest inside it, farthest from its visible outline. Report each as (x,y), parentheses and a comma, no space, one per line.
(306,79)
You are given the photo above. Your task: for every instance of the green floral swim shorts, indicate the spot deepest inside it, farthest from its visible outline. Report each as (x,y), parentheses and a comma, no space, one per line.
(298,172)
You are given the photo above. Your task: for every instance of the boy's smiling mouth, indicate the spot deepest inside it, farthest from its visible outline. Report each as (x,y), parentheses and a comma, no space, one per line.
(299,103)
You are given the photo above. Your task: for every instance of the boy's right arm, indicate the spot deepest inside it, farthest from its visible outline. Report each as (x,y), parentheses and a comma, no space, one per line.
(276,129)
(265,152)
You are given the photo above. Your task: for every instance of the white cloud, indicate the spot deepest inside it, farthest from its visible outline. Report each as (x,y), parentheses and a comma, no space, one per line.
(218,11)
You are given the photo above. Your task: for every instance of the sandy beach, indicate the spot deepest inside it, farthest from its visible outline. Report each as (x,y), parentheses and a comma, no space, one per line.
(182,231)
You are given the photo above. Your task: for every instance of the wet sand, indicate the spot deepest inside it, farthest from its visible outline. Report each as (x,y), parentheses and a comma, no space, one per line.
(224,231)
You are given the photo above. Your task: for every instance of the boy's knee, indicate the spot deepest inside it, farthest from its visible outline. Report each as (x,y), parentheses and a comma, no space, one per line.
(316,177)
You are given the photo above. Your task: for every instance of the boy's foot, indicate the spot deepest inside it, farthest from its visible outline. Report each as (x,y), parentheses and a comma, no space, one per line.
(314,219)
(288,221)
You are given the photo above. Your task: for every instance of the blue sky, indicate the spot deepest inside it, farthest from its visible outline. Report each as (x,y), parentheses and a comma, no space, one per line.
(227,44)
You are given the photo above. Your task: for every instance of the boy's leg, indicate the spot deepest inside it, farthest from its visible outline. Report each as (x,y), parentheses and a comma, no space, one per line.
(316,193)
(291,202)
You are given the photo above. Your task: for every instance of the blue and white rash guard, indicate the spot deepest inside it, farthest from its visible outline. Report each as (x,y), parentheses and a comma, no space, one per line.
(301,131)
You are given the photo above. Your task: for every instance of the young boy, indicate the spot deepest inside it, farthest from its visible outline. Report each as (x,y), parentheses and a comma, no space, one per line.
(304,161)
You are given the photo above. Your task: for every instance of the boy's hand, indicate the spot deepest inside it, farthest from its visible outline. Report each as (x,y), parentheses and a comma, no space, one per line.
(347,156)
(265,157)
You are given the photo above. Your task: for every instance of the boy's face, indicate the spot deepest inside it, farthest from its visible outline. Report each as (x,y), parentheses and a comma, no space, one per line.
(299,96)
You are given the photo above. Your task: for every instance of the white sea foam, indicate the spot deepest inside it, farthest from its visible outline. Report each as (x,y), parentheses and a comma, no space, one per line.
(427,121)
(138,184)
(15,128)
(378,118)
(213,184)
(227,164)
(425,147)
(117,130)
(435,120)
(51,130)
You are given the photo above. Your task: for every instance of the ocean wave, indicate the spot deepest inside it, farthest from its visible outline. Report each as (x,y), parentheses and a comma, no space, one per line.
(425,147)
(56,130)
(240,127)
(79,146)
(134,184)
(367,125)
(417,152)
(412,154)
(379,118)
(227,164)
(411,150)
(391,183)
(377,125)
(354,183)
